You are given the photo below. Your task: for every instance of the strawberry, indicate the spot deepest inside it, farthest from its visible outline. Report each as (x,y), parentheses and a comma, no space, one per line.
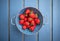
(26,23)
(28,26)
(30,19)
(21,21)
(27,11)
(36,15)
(32,28)
(26,15)
(33,22)
(32,15)
(25,19)
(37,21)
(24,27)
(21,16)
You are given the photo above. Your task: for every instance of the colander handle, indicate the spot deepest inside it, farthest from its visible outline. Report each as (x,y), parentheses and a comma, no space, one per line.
(12,20)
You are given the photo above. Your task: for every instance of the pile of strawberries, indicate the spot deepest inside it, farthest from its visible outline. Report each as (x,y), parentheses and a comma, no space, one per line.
(29,20)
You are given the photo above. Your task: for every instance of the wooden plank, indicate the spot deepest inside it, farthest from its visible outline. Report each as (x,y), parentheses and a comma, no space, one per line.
(30,3)
(44,7)
(56,19)
(15,6)
(3,20)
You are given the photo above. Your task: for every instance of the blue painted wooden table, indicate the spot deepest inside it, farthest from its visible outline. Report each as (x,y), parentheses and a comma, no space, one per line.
(10,32)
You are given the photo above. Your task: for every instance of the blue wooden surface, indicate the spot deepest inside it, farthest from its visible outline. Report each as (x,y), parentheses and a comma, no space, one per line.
(15,6)
(3,20)
(56,20)
(44,7)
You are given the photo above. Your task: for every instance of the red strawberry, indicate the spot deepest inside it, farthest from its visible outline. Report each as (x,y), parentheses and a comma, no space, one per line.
(30,19)
(36,15)
(24,27)
(37,21)
(32,28)
(21,16)
(26,15)
(25,19)
(28,26)
(32,15)
(21,21)
(27,11)
(33,22)
(26,23)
